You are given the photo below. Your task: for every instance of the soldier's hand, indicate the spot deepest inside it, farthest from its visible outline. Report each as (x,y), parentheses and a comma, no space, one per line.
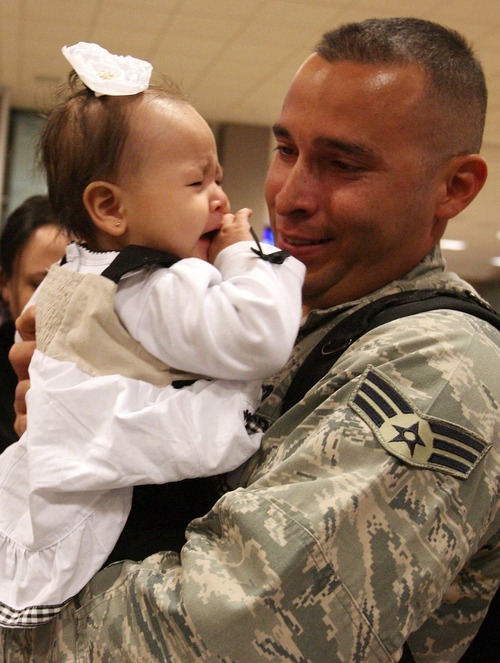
(20,357)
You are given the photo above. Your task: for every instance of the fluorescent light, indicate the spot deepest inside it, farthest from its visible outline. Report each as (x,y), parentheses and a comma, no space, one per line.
(453,244)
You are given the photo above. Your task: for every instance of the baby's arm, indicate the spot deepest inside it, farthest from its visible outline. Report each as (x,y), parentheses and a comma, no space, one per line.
(236,319)
(137,433)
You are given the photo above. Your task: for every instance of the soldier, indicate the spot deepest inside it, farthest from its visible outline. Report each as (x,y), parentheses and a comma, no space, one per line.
(369,516)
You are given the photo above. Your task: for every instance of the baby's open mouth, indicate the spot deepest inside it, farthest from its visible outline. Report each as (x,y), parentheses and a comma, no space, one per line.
(210,234)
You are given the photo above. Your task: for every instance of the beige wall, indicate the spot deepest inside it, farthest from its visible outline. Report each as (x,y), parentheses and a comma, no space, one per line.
(244,153)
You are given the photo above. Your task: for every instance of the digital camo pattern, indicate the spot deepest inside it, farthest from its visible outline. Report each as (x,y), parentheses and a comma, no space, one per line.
(336,550)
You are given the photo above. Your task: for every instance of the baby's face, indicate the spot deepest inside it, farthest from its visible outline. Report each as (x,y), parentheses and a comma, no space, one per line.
(172,194)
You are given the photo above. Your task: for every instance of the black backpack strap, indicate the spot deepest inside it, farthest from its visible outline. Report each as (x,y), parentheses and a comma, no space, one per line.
(385,309)
(407,656)
(134,257)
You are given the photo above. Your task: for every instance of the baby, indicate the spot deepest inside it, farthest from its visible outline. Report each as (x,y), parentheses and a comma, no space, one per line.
(153,336)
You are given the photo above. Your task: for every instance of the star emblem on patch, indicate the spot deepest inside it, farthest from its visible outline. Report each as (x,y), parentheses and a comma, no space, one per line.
(410,435)
(415,438)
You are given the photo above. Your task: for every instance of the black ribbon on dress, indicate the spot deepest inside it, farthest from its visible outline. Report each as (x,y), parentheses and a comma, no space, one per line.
(277,258)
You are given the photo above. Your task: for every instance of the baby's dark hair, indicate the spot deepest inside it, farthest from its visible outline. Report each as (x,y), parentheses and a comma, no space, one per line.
(82,141)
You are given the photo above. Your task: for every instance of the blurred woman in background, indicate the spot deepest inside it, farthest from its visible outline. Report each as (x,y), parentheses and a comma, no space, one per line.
(30,243)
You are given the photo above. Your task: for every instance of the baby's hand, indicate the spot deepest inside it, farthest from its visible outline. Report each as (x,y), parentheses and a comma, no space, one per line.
(235,228)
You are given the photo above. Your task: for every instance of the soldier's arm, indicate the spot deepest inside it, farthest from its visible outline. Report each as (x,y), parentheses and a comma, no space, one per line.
(344,542)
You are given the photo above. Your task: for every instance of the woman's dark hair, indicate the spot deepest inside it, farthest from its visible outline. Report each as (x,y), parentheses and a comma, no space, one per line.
(33,213)
(82,141)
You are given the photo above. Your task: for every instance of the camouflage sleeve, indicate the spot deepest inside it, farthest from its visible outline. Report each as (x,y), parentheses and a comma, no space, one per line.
(370,515)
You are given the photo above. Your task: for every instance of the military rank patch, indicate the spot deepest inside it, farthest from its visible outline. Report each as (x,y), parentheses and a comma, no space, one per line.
(409,434)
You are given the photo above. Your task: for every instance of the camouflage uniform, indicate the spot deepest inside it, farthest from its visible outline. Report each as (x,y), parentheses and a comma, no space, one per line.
(369,517)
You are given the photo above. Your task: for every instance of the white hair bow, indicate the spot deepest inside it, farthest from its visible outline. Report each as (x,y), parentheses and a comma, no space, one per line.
(105,73)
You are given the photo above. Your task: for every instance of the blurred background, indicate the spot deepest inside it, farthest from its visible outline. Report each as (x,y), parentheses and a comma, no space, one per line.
(234,59)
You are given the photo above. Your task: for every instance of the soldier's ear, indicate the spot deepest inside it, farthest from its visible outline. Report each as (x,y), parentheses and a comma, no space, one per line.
(462,178)
(103,202)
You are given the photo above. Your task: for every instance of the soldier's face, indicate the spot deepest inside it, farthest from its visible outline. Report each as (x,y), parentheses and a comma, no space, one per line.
(350,192)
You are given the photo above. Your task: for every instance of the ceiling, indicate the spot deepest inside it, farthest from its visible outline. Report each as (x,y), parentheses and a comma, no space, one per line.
(235,59)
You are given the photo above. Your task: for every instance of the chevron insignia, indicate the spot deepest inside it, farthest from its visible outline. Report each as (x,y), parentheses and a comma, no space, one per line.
(410,435)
